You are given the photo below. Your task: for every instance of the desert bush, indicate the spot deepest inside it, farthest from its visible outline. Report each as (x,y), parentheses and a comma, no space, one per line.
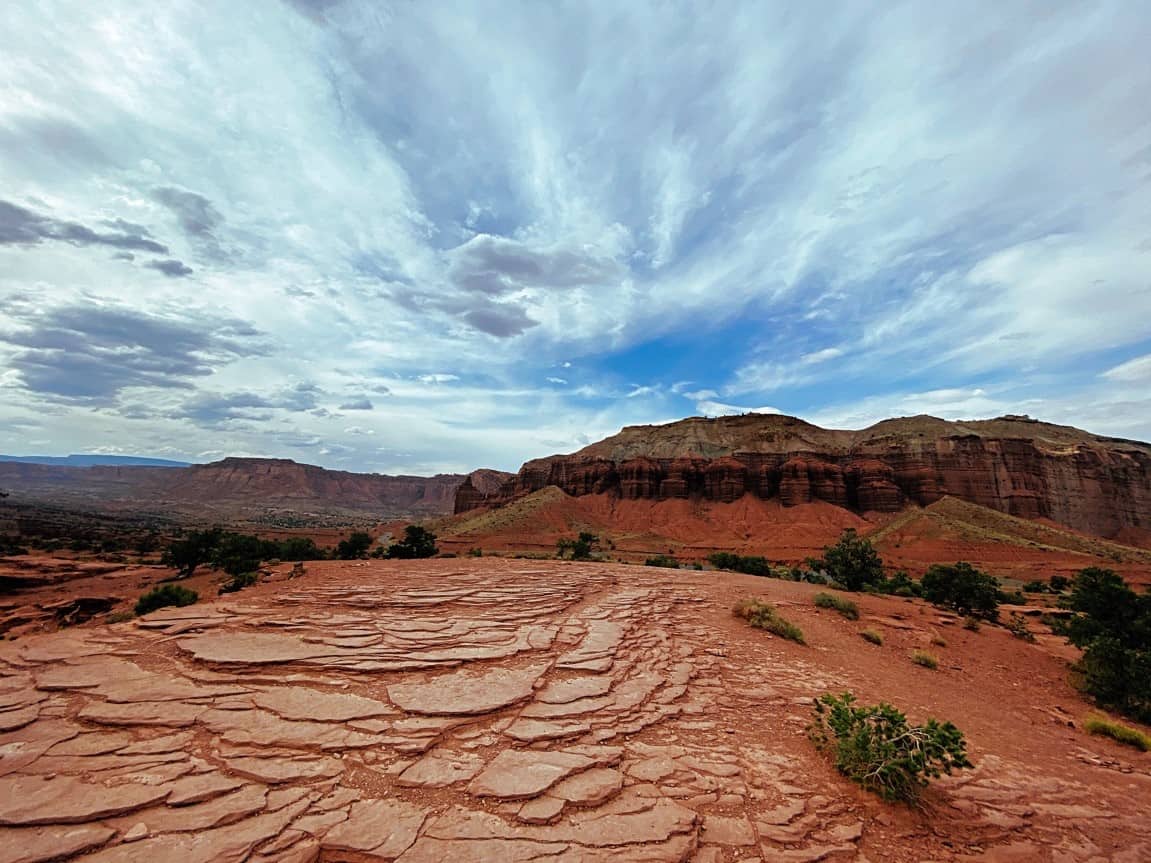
(580,548)
(355,547)
(878,748)
(196,548)
(1125,734)
(759,614)
(1017,626)
(1058,583)
(1112,624)
(418,542)
(475,552)
(900,584)
(747,564)
(165,595)
(927,660)
(971,624)
(664,561)
(1036,587)
(239,581)
(963,588)
(872,635)
(844,606)
(938,641)
(120,616)
(852,562)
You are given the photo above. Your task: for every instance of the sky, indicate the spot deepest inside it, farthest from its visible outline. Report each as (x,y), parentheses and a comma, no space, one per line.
(418,237)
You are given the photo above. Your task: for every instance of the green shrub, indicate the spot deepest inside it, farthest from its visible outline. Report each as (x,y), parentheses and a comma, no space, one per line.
(852,562)
(580,548)
(927,660)
(165,595)
(749,565)
(355,547)
(1112,624)
(475,552)
(1058,583)
(844,606)
(120,616)
(963,588)
(1036,587)
(762,616)
(971,624)
(664,561)
(1105,727)
(872,635)
(900,584)
(1017,626)
(239,581)
(418,542)
(876,747)
(938,641)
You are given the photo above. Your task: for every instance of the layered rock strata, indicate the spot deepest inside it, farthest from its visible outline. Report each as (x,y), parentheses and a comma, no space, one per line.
(1013,464)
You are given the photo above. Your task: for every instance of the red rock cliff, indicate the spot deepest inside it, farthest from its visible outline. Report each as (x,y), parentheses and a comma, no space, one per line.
(1012,464)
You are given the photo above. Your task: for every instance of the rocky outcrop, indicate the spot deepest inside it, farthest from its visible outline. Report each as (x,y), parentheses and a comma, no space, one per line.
(1013,464)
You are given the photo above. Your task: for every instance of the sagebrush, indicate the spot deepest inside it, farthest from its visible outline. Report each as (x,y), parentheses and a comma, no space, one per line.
(844,606)
(878,748)
(763,616)
(164,596)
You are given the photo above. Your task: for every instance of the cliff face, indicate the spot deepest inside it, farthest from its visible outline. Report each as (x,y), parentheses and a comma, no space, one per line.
(236,484)
(1012,464)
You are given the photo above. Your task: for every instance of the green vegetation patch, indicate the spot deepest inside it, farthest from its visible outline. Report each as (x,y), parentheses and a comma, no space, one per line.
(164,596)
(759,614)
(879,749)
(1124,734)
(927,660)
(844,606)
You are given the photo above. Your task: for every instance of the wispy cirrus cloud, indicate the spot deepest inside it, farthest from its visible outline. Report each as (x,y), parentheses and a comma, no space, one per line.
(838,216)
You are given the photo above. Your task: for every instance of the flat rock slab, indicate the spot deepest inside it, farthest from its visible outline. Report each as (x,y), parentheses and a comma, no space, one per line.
(466,692)
(381,828)
(439,770)
(251,648)
(517,774)
(32,800)
(38,844)
(310,704)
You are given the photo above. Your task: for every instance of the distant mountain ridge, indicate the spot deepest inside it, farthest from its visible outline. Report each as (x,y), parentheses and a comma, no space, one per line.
(273,491)
(1012,464)
(95,460)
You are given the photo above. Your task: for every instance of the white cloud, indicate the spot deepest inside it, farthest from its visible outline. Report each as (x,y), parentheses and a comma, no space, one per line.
(797,199)
(1136,370)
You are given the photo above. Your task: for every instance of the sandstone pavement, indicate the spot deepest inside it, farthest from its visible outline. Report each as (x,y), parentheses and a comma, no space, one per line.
(505,710)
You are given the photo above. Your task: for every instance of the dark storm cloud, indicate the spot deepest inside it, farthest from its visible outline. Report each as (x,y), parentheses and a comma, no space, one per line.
(23,227)
(215,409)
(362,404)
(170,267)
(500,320)
(212,410)
(495,265)
(197,216)
(90,353)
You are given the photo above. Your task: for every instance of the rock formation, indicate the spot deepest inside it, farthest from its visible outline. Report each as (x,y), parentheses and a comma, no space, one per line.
(233,486)
(1012,464)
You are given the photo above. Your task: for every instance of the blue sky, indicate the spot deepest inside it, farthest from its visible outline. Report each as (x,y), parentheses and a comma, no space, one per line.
(415,237)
